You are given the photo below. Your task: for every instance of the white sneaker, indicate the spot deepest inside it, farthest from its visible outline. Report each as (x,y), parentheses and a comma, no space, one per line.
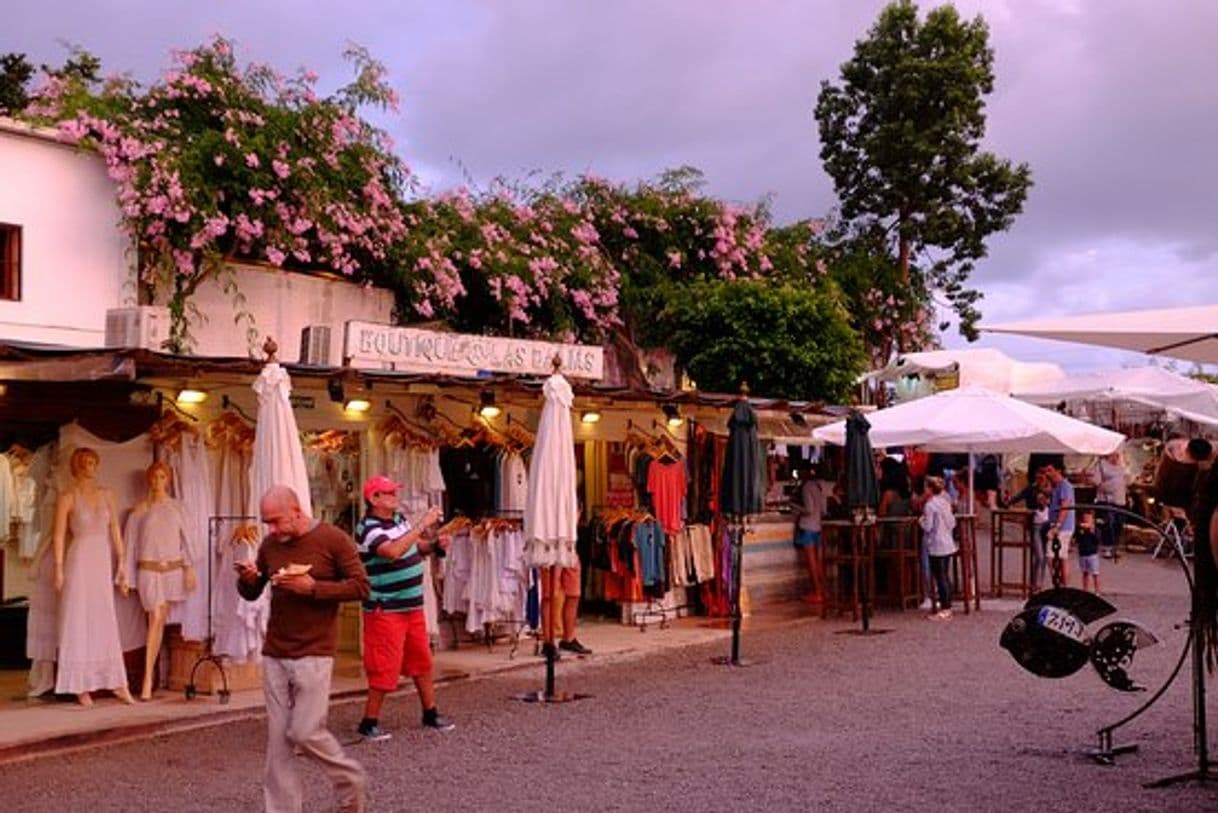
(944,615)
(926,604)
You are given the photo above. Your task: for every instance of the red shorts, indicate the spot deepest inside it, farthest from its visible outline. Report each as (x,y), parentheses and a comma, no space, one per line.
(395,644)
(570,581)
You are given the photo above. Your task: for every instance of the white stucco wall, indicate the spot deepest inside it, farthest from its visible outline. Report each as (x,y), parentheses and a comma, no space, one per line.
(283,304)
(75,263)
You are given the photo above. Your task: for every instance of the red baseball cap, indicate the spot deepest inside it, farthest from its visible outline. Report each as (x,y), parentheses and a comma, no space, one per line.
(379,482)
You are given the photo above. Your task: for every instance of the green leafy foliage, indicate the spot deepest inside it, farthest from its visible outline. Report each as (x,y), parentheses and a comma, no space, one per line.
(785,341)
(901,138)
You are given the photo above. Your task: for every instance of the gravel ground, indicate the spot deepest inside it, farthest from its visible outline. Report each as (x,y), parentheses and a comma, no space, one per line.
(930,716)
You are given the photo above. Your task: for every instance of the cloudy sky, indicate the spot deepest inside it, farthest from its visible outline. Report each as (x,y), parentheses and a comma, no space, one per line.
(1113,104)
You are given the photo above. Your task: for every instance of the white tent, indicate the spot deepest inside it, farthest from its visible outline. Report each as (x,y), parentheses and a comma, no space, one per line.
(914,374)
(1183,333)
(974,419)
(1153,388)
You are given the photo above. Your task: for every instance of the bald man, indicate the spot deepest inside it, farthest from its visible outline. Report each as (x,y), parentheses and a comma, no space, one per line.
(312,567)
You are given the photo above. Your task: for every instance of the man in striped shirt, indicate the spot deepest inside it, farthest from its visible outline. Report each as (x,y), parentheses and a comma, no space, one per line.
(395,632)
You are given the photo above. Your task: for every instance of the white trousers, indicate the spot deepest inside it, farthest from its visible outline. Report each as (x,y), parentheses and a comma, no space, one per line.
(297,702)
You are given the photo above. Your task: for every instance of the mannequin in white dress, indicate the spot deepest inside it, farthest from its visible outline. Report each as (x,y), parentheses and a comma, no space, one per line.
(90,653)
(161,556)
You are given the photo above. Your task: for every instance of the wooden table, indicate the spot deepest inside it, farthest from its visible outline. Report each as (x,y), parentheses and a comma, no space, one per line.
(1021,540)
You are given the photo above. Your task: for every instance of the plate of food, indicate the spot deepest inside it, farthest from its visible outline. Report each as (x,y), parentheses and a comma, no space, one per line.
(294,569)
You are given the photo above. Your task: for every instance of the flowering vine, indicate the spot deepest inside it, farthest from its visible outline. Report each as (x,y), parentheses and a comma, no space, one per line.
(214,162)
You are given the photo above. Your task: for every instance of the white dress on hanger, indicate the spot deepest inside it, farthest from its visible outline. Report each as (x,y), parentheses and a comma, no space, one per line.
(551,507)
(192,482)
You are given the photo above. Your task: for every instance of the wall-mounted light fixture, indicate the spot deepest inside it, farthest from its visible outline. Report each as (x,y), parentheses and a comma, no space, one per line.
(189,396)
(488,409)
(357,405)
(590,416)
(672,413)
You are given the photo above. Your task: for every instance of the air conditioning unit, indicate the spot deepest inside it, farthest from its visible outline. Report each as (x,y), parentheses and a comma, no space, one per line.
(143,326)
(315,345)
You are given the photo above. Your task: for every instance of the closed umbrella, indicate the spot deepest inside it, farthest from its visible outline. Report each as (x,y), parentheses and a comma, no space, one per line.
(277,460)
(739,496)
(551,514)
(862,492)
(862,498)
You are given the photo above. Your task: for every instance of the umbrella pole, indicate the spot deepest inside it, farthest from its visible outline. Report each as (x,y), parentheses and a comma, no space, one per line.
(737,540)
(549,694)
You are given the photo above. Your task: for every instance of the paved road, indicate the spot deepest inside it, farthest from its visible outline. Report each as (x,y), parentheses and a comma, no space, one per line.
(931,716)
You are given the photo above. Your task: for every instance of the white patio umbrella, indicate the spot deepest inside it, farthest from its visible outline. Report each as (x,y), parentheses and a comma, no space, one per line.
(1150,387)
(977,420)
(278,458)
(1183,333)
(973,419)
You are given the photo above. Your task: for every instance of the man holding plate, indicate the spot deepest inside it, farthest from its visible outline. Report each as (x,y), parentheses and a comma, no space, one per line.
(312,567)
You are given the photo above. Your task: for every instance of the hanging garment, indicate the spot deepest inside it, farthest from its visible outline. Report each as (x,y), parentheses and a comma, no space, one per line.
(552,508)
(193,486)
(90,653)
(236,624)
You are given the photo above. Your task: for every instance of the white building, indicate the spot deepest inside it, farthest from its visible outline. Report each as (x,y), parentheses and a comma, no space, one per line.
(65,262)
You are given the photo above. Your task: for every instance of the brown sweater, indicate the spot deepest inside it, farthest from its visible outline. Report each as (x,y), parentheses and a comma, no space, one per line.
(308,625)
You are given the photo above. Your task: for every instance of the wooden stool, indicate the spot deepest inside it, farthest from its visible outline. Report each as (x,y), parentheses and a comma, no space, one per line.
(905,585)
(1000,542)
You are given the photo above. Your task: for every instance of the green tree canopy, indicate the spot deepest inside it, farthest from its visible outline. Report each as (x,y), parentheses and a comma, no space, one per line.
(901,138)
(786,341)
(15,74)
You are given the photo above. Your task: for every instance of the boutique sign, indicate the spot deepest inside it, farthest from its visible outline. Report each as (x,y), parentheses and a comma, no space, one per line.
(407,349)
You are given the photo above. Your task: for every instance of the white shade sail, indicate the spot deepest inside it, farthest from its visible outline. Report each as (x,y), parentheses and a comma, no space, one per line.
(1183,333)
(1151,387)
(973,419)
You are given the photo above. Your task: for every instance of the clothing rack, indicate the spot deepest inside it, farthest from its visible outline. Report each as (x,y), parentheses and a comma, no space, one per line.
(214,524)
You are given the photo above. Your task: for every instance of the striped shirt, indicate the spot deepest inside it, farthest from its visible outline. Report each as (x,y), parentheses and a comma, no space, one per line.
(397,584)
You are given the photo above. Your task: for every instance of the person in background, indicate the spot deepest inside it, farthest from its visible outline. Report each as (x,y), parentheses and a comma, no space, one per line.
(811,503)
(1088,542)
(312,568)
(1040,538)
(395,632)
(895,495)
(1108,476)
(937,523)
(1061,517)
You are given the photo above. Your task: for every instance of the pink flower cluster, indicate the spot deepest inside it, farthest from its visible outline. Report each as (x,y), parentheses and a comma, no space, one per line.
(316,190)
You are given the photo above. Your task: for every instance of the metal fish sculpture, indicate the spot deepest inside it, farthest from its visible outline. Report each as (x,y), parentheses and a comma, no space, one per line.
(1049,638)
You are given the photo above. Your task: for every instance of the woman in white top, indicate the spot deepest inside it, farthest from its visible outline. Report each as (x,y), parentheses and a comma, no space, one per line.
(937,523)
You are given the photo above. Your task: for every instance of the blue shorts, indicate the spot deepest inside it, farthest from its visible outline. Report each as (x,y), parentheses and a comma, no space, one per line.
(1089,564)
(805,538)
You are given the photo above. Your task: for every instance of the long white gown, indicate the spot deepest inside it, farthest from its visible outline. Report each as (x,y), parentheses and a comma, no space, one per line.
(90,654)
(552,509)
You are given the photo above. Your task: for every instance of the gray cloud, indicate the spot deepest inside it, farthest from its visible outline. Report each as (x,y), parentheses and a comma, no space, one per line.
(1111,103)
